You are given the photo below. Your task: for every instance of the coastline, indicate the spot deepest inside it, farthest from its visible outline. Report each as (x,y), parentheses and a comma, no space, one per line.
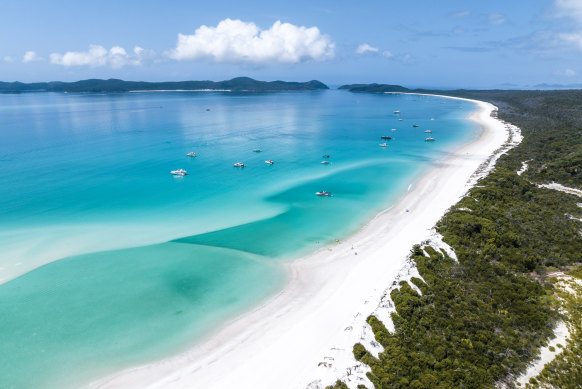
(305,333)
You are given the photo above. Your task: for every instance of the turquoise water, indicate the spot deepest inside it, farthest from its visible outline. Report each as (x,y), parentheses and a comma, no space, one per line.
(108,261)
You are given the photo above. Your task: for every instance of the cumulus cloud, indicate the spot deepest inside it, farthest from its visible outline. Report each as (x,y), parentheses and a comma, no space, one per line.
(31,56)
(97,56)
(7,58)
(387,54)
(366,48)
(238,41)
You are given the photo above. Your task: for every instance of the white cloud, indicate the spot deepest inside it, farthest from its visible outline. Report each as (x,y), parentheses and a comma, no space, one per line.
(462,14)
(31,56)
(238,41)
(387,54)
(496,18)
(569,73)
(8,59)
(574,38)
(571,9)
(366,48)
(97,56)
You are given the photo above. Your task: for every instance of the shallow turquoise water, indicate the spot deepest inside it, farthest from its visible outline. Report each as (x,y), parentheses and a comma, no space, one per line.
(153,262)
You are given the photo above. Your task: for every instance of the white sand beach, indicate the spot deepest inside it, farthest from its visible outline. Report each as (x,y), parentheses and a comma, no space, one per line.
(303,336)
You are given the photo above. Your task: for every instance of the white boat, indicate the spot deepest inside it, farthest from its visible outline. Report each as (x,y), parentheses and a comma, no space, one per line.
(179,172)
(324,194)
(428,131)
(383,145)
(394,129)
(430,139)
(415,125)
(191,154)
(401,119)
(239,164)
(397,112)
(257,150)
(325,162)
(269,162)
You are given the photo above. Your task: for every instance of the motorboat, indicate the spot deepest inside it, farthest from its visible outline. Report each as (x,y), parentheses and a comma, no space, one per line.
(179,172)
(415,125)
(400,119)
(394,129)
(386,137)
(257,150)
(430,139)
(383,145)
(325,162)
(325,156)
(397,112)
(239,164)
(191,154)
(428,131)
(269,162)
(324,194)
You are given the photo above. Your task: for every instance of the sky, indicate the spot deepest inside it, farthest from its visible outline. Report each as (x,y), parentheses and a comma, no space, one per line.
(417,43)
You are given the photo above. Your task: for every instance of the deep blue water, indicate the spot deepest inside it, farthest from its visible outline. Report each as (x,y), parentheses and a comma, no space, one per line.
(143,264)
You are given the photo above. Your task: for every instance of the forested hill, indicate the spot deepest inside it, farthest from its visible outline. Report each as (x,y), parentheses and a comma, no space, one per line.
(115,85)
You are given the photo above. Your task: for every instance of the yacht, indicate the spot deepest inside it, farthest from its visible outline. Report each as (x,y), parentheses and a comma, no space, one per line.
(383,145)
(191,154)
(394,129)
(269,162)
(429,139)
(428,131)
(179,172)
(415,125)
(325,162)
(325,156)
(400,119)
(397,112)
(257,150)
(239,164)
(324,193)
(386,136)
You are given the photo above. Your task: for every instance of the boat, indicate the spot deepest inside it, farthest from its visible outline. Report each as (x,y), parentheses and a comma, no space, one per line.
(257,150)
(239,164)
(430,139)
(325,156)
(415,125)
(324,194)
(269,162)
(394,129)
(428,131)
(386,137)
(397,112)
(191,154)
(325,162)
(179,172)
(431,118)
(401,119)
(383,145)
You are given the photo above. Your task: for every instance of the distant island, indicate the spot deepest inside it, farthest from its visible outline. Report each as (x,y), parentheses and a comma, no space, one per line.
(238,84)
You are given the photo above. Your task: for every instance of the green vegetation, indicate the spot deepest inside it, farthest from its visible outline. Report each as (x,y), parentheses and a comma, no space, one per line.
(112,85)
(482,319)
(565,371)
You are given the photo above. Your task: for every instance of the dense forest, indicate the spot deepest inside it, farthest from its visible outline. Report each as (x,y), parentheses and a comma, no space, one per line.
(114,85)
(479,321)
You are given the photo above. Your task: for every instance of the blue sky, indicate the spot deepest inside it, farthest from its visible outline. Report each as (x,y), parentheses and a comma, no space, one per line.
(471,44)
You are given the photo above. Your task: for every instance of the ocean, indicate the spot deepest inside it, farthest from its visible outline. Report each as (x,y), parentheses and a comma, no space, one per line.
(107,261)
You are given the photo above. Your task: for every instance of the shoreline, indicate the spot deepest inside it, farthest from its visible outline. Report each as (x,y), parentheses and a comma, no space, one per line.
(303,336)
